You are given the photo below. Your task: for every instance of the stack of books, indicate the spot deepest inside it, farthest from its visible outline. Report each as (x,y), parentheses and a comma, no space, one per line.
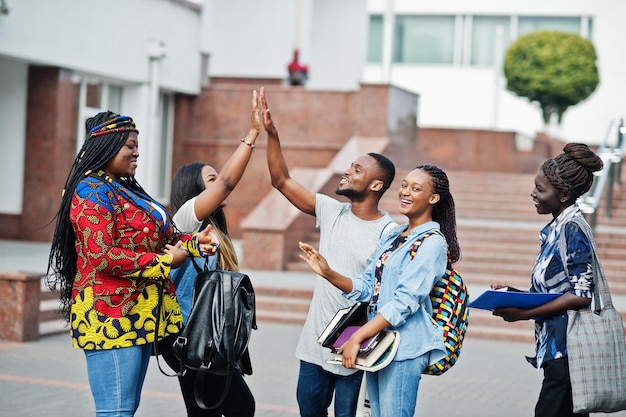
(375,352)
(379,356)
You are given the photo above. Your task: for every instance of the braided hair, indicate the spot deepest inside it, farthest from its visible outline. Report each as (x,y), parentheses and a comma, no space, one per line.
(106,133)
(443,211)
(572,171)
(186,184)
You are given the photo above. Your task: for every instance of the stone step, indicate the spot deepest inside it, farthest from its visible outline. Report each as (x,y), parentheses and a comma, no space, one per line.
(290,306)
(282,305)
(484,325)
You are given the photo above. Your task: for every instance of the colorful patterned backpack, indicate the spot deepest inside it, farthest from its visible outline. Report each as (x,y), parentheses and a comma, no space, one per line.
(449,299)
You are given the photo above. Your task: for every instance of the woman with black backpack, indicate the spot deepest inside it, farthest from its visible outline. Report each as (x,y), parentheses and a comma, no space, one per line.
(198,197)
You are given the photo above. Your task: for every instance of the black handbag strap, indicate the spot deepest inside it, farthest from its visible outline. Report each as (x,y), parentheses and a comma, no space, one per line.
(155,344)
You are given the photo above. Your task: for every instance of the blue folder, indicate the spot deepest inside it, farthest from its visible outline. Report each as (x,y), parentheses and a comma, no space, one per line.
(491,299)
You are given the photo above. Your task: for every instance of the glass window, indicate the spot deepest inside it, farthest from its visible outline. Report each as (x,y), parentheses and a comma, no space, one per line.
(115,99)
(424,39)
(590,28)
(485,41)
(375,39)
(93,95)
(529,24)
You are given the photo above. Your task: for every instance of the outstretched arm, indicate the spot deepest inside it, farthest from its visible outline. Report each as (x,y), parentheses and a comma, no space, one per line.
(209,200)
(299,196)
(556,307)
(319,265)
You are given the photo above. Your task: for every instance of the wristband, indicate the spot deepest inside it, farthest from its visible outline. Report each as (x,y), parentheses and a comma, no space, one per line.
(250,144)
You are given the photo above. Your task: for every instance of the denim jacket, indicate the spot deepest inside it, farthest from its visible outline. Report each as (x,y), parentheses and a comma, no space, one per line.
(405,288)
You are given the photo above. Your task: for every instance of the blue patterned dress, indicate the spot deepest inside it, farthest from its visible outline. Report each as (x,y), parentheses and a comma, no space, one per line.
(549,276)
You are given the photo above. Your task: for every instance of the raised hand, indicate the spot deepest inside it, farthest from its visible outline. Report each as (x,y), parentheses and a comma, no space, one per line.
(268,123)
(255,118)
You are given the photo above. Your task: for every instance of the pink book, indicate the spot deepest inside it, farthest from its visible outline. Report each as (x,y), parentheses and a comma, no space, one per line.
(367,345)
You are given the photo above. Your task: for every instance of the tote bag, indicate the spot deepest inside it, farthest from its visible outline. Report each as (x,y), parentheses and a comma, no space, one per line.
(595,344)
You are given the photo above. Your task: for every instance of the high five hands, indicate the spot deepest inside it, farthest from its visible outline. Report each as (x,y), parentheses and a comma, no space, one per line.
(268,123)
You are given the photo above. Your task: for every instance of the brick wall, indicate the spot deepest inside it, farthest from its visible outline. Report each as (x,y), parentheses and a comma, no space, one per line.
(50,148)
(313,126)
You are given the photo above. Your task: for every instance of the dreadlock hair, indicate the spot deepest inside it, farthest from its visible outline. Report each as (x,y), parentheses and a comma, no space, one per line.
(386,170)
(443,211)
(188,183)
(106,133)
(572,171)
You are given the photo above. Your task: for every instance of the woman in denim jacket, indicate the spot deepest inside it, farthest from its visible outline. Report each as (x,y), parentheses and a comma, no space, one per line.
(397,284)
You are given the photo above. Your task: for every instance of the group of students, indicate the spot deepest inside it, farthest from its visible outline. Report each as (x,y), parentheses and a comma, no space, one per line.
(115,249)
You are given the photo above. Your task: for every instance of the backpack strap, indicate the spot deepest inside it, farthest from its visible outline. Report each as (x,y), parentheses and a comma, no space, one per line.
(421,238)
(387,228)
(155,344)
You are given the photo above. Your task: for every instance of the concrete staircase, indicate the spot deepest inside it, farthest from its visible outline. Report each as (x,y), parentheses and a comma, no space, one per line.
(498,231)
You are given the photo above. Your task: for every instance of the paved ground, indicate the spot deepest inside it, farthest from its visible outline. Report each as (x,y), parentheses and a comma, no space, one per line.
(48,377)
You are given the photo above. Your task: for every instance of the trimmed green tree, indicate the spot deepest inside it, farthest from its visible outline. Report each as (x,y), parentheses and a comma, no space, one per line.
(555,69)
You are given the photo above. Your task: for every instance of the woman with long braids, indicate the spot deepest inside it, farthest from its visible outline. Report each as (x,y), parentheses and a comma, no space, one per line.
(111,255)
(199,195)
(558,183)
(397,285)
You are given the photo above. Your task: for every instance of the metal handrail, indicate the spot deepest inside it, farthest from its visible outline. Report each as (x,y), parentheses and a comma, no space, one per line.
(612,153)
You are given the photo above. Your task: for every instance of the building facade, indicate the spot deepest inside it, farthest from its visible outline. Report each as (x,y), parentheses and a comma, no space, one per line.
(63,61)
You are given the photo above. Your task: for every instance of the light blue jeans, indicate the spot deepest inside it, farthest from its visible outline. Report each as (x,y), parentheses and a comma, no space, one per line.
(315,391)
(392,391)
(116,377)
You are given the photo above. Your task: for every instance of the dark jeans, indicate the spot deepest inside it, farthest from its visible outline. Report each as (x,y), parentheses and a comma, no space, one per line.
(239,401)
(555,398)
(315,391)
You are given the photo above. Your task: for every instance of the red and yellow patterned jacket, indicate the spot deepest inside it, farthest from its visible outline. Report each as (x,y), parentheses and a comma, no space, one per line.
(120,237)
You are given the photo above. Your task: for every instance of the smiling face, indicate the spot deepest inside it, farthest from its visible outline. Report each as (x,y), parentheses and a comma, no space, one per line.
(209,175)
(356,180)
(548,199)
(124,163)
(417,196)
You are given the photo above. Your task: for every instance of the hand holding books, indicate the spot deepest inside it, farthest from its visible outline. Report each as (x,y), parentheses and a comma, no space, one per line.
(378,356)
(366,346)
(372,354)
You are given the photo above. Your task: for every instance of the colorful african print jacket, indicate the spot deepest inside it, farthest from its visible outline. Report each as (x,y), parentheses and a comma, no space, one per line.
(120,237)
(549,276)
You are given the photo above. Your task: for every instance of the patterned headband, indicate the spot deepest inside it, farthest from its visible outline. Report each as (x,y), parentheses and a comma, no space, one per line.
(117,124)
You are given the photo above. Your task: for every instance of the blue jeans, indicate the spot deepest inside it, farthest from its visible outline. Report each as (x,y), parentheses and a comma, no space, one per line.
(116,377)
(315,391)
(393,390)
